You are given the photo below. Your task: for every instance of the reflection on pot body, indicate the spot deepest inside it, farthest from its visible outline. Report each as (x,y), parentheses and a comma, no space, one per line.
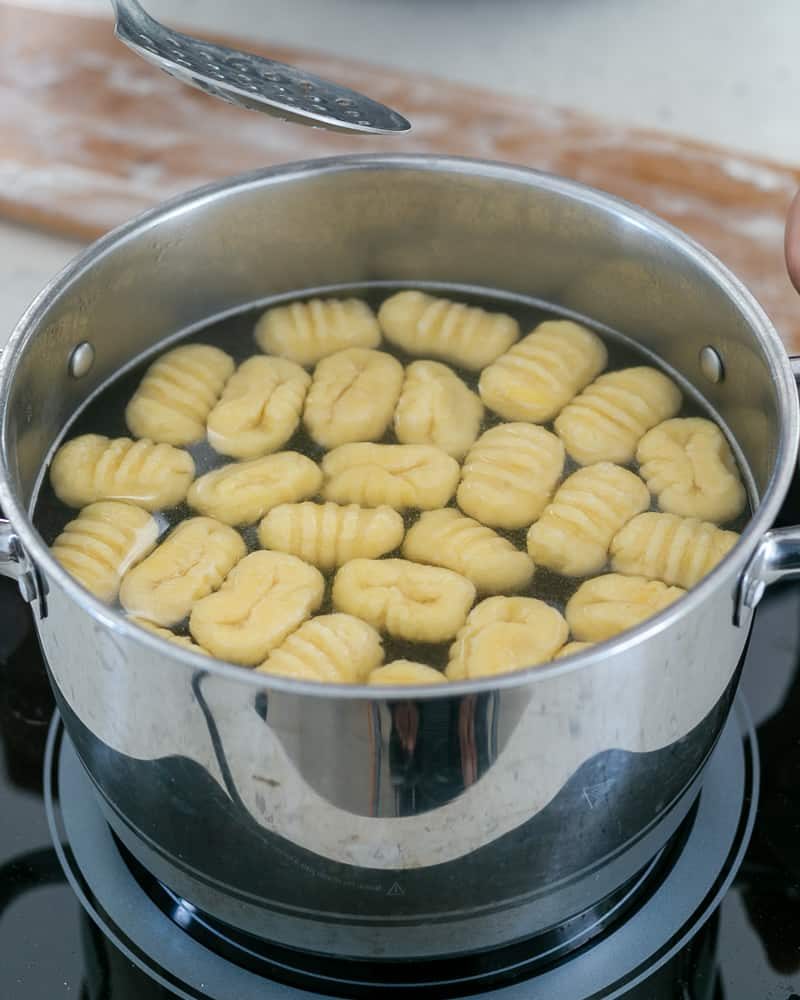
(335,822)
(419,822)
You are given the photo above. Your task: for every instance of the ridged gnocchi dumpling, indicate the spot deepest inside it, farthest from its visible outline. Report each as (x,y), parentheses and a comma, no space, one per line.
(677,550)
(335,648)
(305,332)
(467,336)
(103,542)
(170,636)
(537,377)
(177,393)
(509,475)
(328,535)
(575,530)
(437,408)
(690,468)
(263,599)
(447,538)
(608,419)
(189,564)
(607,605)
(259,409)
(406,672)
(352,396)
(242,492)
(571,649)
(92,467)
(395,475)
(409,601)
(504,634)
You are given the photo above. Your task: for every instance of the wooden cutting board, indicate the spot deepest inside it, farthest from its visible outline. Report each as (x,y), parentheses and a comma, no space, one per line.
(90,135)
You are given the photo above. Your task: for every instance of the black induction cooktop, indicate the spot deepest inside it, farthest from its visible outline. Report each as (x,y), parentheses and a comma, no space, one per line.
(140,942)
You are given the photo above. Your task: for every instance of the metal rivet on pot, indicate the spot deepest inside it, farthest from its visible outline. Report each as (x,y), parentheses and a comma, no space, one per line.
(81,360)
(711,365)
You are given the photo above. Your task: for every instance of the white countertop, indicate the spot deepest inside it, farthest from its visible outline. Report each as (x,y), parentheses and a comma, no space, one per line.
(725,71)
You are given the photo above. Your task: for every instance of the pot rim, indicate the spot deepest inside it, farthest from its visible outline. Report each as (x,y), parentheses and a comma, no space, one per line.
(777,359)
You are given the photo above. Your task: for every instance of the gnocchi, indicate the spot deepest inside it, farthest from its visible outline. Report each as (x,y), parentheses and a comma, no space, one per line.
(607,605)
(608,419)
(169,635)
(189,564)
(335,648)
(395,475)
(447,538)
(677,550)
(467,336)
(537,377)
(437,408)
(242,492)
(504,634)
(575,530)
(306,332)
(103,542)
(571,649)
(409,601)
(509,475)
(177,393)
(689,466)
(92,467)
(352,396)
(328,535)
(259,409)
(405,672)
(265,597)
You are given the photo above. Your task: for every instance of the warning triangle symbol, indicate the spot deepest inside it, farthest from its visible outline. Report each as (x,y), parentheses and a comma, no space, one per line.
(395,890)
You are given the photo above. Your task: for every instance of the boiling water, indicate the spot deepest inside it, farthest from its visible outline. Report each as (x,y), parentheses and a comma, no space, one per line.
(105,414)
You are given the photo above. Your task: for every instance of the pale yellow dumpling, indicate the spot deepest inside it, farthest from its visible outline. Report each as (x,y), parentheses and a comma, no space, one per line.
(607,605)
(352,396)
(395,475)
(329,535)
(437,408)
(405,672)
(571,649)
(608,419)
(575,530)
(504,634)
(537,377)
(263,599)
(338,649)
(242,492)
(426,325)
(92,467)
(419,603)
(677,550)
(177,393)
(447,538)
(690,468)
(259,409)
(170,636)
(509,475)
(188,565)
(103,542)
(305,332)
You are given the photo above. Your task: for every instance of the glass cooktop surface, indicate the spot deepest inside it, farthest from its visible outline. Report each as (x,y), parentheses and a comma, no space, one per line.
(50,950)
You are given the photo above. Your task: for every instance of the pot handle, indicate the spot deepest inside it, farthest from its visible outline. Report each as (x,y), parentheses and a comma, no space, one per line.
(776,558)
(15,564)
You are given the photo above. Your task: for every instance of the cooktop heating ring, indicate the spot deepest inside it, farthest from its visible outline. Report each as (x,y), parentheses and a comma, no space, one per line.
(609,966)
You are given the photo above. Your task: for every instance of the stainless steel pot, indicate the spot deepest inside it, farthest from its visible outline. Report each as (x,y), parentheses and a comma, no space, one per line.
(413,822)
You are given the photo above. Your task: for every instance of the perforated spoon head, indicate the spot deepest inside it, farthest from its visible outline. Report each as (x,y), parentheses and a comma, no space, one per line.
(251,81)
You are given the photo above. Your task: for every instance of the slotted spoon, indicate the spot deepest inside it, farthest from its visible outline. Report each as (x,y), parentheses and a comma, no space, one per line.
(251,81)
